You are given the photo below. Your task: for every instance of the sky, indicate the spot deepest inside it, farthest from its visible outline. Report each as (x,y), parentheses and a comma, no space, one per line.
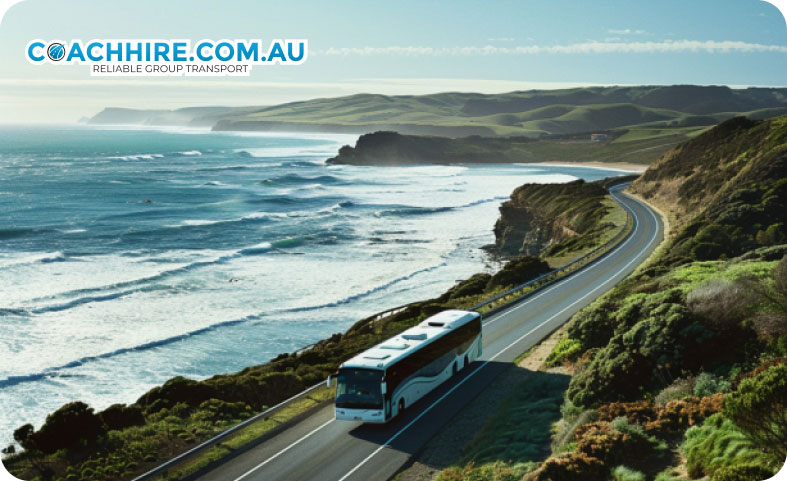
(402,47)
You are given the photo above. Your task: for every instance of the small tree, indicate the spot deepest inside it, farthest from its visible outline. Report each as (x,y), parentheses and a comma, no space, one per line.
(67,427)
(24,436)
(759,408)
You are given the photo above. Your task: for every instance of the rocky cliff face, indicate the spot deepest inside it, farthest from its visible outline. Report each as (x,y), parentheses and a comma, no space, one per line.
(520,231)
(544,218)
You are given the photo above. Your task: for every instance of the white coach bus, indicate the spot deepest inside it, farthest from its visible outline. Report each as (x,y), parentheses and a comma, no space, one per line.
(379,383)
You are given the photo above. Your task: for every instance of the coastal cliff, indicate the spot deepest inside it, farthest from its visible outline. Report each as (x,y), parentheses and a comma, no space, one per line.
(550,218)
(394,148)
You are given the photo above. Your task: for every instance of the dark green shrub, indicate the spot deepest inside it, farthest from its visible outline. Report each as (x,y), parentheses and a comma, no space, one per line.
(475,285)
(743,472)
(24,436)
(718,444)
(68,426)
(120,416)
(759,408)
(707,384)
(518,271)
(216,410)
(176,390)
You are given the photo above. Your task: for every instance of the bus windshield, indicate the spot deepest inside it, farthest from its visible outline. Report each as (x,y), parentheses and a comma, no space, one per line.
(359,388)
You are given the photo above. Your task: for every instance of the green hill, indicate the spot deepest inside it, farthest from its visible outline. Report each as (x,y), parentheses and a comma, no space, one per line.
(531,113)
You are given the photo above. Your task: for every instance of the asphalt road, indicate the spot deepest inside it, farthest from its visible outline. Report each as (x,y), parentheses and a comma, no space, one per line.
(319,448)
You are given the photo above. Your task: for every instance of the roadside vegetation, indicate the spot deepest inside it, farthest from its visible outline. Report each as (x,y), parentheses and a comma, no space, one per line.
(680,372)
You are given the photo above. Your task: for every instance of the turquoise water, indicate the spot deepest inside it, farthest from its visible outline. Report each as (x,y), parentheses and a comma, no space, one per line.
(129,256)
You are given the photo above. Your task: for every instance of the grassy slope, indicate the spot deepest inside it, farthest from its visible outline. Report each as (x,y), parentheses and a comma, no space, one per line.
(528,113)
(389,148)
(640,351)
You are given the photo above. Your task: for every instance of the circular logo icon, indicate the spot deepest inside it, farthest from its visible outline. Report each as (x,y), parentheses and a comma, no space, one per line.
(56,51)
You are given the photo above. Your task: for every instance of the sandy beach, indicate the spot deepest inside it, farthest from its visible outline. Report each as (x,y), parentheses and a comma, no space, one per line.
(624,166)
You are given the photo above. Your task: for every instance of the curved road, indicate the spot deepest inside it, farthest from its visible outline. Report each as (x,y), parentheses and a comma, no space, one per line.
(319,448)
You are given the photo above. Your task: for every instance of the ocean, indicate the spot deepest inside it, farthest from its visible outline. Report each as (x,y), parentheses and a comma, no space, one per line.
(129,255)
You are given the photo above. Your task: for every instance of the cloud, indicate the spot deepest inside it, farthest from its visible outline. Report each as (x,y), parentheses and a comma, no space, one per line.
(626,31)
(591,47)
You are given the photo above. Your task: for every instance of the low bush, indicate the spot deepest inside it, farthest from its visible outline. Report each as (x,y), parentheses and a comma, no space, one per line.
(574,466)
(673,417)
(622,473)
(120,416)
(566,350)
(679,389)
(718,445)
(759,407)
(707,384)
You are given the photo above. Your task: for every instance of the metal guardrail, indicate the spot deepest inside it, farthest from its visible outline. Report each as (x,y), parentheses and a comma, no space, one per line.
(509,297)
(163,468)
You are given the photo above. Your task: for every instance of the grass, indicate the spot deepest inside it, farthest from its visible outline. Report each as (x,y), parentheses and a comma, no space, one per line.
(652,111)
(610,225)
(719,444)
(517,436)
(247,435)
(690,276)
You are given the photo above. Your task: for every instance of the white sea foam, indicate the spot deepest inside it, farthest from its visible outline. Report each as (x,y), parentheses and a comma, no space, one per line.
(250,284)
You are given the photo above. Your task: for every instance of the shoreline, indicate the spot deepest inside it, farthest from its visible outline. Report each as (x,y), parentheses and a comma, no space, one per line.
(619,166)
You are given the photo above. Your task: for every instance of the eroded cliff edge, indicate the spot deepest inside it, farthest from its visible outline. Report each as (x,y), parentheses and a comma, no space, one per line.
(550,219)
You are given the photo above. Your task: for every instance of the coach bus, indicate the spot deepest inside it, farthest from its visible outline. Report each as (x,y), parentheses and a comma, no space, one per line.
(379,383)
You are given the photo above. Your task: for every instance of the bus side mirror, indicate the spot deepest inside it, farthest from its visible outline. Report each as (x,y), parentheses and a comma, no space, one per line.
(383,388)
(328,381)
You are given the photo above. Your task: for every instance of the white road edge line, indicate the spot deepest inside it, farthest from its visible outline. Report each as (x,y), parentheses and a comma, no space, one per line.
(298,441)
(284,450)
(429,408)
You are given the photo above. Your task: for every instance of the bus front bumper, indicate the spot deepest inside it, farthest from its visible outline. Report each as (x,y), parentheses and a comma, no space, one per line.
(362,415)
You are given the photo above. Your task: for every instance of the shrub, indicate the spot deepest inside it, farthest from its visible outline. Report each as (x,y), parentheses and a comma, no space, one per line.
(718,444)
(665,342)
(571,467)
(518,271)
(565,350)
(622,473)
(475,285)
(722,304)
(216,410)
(759,408)
(120,416)
(743,472)
(674,417)
(707,384)
(617,442)
(176,390)
(66,427)
(679,389)
(668,475)
(497,471)
(24,436)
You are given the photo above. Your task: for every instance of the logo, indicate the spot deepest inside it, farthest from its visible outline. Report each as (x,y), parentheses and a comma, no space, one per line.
(148,57)
(56,51)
